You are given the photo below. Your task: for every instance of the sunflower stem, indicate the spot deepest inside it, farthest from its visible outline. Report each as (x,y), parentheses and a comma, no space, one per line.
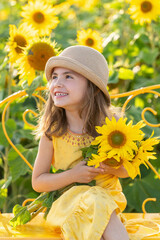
(9,91)
(40,93)
(37,212)
(151,37)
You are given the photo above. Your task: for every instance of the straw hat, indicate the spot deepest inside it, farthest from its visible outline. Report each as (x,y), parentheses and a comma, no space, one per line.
(84,60)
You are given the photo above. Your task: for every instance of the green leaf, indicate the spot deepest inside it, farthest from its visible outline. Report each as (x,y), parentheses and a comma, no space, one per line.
(16,164)
(35,84)
(140,189)
(24,134)
(148,55)
(139,102)
(4,63)
(3,196)
(22,216)
(3,192)
(7,183)
(84,151)
(113,79)
(88,151)
(135,114)
(52,196)
(1,162)
(10,126)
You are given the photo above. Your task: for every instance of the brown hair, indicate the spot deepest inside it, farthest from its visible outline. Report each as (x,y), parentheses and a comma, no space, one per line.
(96,108)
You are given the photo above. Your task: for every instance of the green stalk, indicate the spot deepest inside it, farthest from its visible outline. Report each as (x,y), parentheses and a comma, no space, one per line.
(6,168)
(34,208)
(37,212)
(151,36)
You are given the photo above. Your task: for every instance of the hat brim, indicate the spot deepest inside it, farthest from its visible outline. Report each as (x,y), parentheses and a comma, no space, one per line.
(74,65)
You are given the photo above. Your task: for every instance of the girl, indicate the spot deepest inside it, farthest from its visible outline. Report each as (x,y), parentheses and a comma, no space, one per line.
(78,101)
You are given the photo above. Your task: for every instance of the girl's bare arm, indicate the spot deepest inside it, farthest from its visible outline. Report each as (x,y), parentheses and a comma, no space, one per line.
(44,181)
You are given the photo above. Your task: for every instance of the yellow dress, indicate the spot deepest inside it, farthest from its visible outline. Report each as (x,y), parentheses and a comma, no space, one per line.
(83,212)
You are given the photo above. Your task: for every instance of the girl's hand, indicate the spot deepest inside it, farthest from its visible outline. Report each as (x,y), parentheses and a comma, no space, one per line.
(107,169)
(119,172)
(84,174)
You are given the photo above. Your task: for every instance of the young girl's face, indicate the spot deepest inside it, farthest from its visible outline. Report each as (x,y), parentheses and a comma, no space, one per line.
(68,88)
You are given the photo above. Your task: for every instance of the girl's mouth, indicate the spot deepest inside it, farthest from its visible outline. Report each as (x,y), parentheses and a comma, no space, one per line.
(60,94)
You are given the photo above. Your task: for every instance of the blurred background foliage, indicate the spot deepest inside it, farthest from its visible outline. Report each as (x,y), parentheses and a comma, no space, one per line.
(129,42)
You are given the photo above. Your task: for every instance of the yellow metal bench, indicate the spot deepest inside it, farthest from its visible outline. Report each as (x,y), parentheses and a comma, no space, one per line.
(37,228)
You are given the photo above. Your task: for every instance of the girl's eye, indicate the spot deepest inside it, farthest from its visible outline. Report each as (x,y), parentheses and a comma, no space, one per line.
(68,76)
(54,77)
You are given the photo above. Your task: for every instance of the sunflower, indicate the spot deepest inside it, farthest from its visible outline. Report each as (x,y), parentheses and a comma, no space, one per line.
(35,57)
(145,152)
(142,11)
(18,40)
(119,138)
(90,38)
(41,16)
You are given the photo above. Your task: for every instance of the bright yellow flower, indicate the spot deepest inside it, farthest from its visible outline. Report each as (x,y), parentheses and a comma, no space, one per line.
(90,38)
(41,16)
(119,138)
(62,7)
(145,150)
(3,14)
(142,11)
(144,153)
(86,5)
(65,10)
(18,40)
(35,57)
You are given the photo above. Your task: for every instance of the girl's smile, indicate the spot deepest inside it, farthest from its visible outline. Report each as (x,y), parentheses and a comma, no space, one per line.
(60,94)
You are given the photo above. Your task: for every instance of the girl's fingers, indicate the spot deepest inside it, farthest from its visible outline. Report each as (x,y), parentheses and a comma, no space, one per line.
(96,170)
(102,165)
(93,175)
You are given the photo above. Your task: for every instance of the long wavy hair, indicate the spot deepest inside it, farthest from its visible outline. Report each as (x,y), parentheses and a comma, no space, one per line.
(96,107)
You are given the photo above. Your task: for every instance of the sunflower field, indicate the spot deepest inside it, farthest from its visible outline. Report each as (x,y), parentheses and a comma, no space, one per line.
(126,32)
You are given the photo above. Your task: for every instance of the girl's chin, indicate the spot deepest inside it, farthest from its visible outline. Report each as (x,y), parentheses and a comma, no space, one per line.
(57,104)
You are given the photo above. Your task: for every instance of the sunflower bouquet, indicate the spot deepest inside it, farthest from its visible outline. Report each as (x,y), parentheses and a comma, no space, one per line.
(121,143)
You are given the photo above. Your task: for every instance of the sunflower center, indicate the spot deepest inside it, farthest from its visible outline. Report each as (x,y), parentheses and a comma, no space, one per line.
(146,6)
(89,42)
(38,17)
(116,139)
(38,55)
(21,42)
(112,162)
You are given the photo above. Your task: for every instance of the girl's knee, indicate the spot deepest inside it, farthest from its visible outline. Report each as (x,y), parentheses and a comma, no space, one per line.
(115,230)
